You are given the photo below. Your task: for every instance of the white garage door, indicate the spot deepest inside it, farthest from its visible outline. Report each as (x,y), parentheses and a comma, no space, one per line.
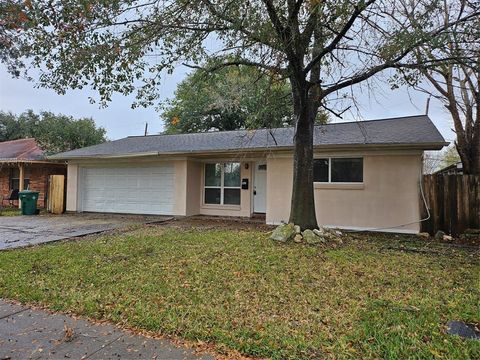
(130,190)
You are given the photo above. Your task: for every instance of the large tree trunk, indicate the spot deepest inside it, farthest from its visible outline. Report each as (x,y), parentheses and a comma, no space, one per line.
(468,136)
(473,146)
(302,210)
(470,157)
(475,156)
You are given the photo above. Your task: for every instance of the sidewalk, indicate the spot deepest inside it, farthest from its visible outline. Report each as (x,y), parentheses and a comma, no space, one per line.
(36,334)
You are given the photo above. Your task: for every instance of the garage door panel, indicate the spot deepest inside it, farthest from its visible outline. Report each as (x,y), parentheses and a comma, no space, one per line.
(141,190)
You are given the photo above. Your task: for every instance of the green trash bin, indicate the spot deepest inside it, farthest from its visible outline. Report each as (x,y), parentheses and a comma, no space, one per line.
(29,202)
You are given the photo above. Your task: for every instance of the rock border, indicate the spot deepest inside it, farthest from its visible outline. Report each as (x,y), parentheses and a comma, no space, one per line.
(291,232)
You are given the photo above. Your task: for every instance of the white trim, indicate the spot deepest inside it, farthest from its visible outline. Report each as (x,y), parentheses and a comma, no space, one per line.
(256,166)
(222,207)
(409,146)
(349,153)
(339,186)
(358,228)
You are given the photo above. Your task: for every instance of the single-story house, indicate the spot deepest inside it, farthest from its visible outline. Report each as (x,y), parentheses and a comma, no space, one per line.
(366,173)
(23,165)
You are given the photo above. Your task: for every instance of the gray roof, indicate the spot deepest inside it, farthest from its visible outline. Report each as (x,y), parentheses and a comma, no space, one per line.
(413,130)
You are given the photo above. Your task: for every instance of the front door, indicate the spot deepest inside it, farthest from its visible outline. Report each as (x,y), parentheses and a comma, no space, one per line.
(260,188)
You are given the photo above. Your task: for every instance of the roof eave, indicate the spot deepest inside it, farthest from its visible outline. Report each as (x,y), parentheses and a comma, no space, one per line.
(46,161)
(413,146)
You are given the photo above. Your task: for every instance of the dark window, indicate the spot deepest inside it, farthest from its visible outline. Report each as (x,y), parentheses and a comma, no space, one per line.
(320,170)
(213,174)
(222,183)
(14,184)
(212,195)
(231,196)
(338,170)
(231,175)
(347,169)
(15,179)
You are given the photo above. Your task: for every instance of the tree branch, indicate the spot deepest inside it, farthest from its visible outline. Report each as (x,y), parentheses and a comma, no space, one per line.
(359,8)
(394,63)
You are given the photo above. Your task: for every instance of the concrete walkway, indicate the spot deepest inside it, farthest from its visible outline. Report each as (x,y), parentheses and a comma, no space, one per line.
(34,334)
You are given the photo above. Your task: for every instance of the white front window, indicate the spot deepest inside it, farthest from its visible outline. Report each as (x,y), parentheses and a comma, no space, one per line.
(222,183)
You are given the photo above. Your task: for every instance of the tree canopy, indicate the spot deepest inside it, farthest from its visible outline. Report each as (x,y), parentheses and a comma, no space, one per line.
(450,72)
(54,133)
(237,97)
(231,98)
(322,47)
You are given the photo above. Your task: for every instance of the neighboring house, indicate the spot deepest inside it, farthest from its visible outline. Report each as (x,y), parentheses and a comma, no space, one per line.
(23,165)
(366,174)
(454,169)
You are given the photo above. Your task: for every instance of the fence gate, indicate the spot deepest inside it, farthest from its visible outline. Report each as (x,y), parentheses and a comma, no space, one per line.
(453,201)
(56,194)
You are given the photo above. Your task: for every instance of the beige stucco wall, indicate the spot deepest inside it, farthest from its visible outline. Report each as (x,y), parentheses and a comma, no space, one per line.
(193,191)
(180,202)
(188,187)
(72,185)
(389,196)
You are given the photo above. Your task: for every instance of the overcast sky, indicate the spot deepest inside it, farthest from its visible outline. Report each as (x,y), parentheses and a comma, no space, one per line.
(18,95)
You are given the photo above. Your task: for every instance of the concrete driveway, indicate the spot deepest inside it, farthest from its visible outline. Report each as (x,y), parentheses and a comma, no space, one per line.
(21,231)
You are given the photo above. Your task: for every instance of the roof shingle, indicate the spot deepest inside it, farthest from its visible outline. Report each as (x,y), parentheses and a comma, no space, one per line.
(418,130)
(21,150)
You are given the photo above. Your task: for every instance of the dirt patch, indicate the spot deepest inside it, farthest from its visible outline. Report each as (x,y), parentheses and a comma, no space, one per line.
(213,222)
(416,244)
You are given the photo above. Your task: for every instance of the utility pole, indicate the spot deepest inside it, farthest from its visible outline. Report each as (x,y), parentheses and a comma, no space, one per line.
(146,128)
(428,106)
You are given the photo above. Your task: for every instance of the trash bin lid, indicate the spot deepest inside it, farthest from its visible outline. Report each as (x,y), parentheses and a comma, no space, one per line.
(28,192)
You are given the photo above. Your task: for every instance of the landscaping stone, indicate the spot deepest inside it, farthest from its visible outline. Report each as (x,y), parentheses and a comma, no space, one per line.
(298,238)
(462,329)
(329,235)
(286,232)
(439,235)
(424,235)
(283,233)
(310,237)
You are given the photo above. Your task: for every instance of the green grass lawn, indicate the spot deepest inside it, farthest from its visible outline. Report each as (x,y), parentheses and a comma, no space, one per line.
(241,291)
(10,212)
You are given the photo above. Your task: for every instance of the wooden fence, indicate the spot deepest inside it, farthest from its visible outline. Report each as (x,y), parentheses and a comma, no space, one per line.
(453,202)
(56,194)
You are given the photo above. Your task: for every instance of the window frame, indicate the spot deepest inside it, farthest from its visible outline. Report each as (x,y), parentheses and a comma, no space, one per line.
(15,176)
(26,183)
(329,158)
(222,186)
